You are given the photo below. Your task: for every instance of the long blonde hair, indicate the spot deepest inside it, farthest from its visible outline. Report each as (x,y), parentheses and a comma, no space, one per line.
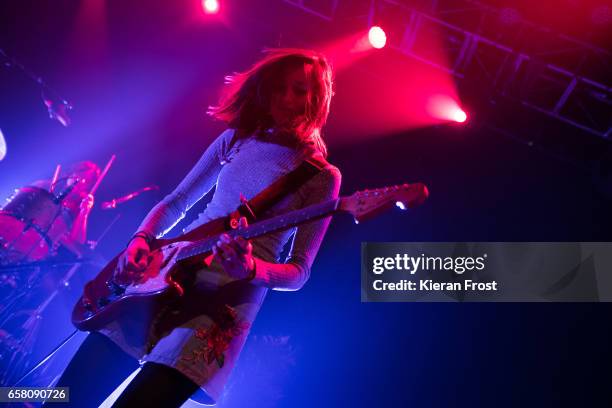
(245,101)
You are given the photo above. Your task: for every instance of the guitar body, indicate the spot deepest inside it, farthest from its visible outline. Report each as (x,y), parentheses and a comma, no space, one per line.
(164,279)
(173,263)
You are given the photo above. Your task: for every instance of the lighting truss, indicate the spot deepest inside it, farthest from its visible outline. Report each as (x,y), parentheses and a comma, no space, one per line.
(557,75)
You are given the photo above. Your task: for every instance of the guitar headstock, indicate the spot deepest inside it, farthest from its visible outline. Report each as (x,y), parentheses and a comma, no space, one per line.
(369,203)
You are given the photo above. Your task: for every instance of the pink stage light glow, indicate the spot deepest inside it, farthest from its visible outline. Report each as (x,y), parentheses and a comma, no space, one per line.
(459,116)
(210,6)
(445,108)
(377,37)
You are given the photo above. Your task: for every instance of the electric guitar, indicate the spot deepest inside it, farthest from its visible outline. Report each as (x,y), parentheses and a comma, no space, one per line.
(170,269)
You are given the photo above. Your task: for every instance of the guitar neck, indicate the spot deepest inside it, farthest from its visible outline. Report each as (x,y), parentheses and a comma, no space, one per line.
(278,223)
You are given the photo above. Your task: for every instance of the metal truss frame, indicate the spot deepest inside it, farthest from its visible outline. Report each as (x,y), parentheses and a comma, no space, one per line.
(545,71)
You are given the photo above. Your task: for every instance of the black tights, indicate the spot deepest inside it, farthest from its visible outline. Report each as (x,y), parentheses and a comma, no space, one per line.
(99,366)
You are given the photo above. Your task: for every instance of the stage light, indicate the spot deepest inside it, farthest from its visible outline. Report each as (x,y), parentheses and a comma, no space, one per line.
(458,115)
(445,108)
(377,37)
(2,146)
(210,6)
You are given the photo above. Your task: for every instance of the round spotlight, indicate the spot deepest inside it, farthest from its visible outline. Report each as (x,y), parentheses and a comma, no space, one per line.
(445,108)
(377,37)
(459,116)
(210,6)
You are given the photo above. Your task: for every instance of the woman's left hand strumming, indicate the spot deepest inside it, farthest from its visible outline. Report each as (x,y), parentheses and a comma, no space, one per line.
(235,254)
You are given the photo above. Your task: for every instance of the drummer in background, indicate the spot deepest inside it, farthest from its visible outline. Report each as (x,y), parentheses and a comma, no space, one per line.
(78,179)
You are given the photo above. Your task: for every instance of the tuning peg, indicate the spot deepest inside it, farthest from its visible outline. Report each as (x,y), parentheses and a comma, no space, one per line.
(400,205)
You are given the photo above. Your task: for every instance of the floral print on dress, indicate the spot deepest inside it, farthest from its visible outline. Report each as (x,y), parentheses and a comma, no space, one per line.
(214,340)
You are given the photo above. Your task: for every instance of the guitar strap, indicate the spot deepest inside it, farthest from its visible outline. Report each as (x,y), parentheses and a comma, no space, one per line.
(272,194)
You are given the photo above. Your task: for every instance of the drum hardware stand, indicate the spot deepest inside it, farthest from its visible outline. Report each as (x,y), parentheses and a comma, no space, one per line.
(46,264)
(32,325)
(42,233)
(103,234)
(9,246)
(57,106)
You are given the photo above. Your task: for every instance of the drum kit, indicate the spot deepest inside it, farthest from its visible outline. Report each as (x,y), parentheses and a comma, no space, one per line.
(31,225)
(36,263)
(34,224)
(38,256)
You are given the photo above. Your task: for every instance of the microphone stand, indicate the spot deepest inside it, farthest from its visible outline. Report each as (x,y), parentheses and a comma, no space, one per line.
(59,113)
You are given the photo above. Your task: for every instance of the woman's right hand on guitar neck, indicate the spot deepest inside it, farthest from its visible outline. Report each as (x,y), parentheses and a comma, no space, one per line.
(132,262)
